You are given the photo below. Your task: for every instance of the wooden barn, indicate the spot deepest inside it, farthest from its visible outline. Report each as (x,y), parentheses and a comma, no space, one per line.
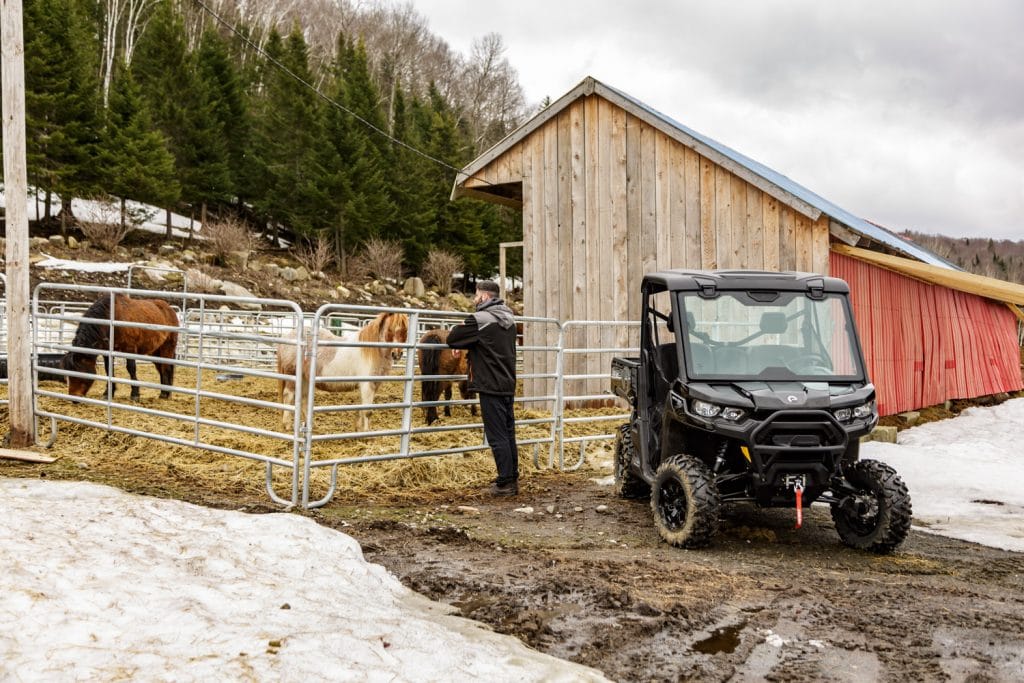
(610,189)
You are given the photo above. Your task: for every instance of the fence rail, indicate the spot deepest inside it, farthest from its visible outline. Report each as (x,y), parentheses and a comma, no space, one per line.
(231,343)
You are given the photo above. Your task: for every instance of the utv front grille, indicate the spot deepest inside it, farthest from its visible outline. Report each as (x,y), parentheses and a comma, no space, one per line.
(797,429)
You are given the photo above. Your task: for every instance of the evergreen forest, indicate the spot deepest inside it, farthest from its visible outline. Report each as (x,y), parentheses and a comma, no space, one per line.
(332,123)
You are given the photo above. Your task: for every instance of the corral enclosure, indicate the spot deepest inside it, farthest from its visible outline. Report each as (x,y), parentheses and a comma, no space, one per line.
(225,412)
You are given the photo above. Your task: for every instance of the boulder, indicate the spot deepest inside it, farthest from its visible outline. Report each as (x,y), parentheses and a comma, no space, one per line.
(36,242)
(911,417)
(377,288)
(57,240)
(414,287)
(198,281)
(169,249)
(72,242)
(234,289)
(459,302)
(272,269)
(289,274)
(881,433)
(343,291)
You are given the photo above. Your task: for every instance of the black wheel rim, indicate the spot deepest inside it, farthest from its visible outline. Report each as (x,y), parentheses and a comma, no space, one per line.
(672,504)
(865,512)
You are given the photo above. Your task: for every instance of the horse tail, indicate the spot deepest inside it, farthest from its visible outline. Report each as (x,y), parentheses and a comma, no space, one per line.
(430,364)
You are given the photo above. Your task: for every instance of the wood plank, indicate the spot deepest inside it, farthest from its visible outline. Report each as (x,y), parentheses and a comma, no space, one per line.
(577,143)
(677,203)
(24,456)
(691,173)
(617,197)
(755,229)
(740,238)
(663,200)
(634,181)
(648,201)
(723,218)
(550,245)
(802,230)
(787,239)
(708,214)
(605,256)
(770,221)
(819,245)
(593,159)
(531,289)
(563,228)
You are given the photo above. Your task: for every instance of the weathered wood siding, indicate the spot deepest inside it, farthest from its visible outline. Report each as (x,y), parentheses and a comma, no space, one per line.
(607,198)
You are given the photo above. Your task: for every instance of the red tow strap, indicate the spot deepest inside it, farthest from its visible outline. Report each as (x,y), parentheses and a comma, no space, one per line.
(799,505)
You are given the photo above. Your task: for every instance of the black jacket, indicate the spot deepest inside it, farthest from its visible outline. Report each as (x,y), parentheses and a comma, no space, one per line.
(490,336)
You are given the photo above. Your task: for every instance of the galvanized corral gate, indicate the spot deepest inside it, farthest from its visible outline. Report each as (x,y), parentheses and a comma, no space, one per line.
(227,347)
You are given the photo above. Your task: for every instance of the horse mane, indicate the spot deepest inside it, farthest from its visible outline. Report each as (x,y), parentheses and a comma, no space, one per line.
(92,335)
(371,331)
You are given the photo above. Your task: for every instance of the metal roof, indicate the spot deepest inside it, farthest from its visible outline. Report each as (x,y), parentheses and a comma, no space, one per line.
(774,183)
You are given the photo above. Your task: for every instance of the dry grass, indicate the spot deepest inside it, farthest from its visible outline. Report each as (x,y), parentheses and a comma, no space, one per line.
(159,467)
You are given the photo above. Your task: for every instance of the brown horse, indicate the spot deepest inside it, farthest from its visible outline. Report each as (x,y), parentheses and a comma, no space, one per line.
(346,361)
(442,362)
(127,339)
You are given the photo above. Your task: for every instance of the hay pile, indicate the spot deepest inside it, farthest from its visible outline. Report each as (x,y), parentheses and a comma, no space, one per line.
(165,468)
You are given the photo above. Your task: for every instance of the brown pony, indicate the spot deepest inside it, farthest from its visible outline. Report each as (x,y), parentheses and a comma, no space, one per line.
(137,340)
(345,361)
(442,362)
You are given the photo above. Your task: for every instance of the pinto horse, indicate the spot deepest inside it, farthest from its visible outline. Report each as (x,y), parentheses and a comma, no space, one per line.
(345,361)
(127,339)
(442,362)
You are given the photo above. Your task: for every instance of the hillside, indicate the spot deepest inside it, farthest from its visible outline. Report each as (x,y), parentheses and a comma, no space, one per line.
(1002,259)
(268,273)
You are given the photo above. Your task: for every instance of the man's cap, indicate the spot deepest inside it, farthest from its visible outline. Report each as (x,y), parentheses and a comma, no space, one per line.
(489,286)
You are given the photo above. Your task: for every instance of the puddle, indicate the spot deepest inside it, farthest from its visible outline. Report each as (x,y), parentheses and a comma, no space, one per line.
(724,639)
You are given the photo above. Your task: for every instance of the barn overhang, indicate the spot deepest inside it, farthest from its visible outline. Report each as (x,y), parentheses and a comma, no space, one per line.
(1009,293)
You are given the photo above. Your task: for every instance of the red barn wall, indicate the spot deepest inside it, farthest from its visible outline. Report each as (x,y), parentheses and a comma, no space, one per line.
(924,343)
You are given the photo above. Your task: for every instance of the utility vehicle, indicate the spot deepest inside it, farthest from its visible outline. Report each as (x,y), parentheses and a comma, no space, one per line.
(751,387)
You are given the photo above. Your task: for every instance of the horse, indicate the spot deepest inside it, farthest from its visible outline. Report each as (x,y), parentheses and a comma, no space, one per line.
(136,340)
(345,361)
(442,362)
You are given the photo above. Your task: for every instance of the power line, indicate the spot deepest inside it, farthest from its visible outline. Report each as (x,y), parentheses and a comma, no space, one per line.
(325,98)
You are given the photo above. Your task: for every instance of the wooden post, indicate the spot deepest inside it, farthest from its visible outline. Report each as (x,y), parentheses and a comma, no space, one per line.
(502,246)
(19,337)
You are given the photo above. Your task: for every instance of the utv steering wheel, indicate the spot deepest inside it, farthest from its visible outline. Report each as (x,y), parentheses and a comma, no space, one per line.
(811,364)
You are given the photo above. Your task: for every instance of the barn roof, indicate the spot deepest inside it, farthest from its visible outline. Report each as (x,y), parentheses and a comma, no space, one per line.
(757,174)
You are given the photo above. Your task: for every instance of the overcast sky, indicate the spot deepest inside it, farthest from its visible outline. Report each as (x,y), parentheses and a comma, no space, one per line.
(906,113)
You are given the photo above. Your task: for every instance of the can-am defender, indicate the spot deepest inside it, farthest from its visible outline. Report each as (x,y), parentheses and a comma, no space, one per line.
(751,386)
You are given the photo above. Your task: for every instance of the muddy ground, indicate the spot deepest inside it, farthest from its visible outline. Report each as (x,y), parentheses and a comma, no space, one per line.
(765,602)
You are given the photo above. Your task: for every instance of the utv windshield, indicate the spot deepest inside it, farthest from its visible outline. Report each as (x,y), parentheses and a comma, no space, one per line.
(770,336)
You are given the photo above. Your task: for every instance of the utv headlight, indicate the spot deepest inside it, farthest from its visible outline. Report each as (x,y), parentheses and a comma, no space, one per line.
(705,409)
(864,410)
(844,414)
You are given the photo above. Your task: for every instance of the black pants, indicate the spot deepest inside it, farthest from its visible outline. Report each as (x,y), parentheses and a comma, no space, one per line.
(500,429)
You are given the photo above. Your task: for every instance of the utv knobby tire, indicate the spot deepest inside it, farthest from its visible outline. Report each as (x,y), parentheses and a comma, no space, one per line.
(685,502)
(888,524)
(627,483)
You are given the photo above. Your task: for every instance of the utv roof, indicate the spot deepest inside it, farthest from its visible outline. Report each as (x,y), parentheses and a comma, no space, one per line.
(741,280)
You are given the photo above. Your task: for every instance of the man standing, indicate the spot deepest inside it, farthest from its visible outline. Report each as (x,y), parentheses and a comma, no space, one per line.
(490,336)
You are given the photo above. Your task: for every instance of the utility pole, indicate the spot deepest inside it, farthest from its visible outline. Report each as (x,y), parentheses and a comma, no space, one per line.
(19,333)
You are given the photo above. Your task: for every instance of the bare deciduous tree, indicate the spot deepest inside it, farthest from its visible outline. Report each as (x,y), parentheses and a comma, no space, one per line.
(315,255)
(439,268)
(227,235)
(106,229)
(384,258)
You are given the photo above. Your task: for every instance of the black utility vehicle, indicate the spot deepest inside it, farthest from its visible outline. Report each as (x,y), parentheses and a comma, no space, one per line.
(751,386)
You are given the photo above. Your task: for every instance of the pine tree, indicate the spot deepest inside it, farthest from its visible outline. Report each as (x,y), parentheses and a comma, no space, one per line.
(413,223)
(290,143)
(134,155)
(361,153)
(61,103)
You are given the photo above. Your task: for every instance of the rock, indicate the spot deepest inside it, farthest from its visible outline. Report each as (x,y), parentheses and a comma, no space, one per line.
(289,274)
(57,240)
(577,509)
(237,260)
(414,287)
(198,281)
(37,242)
(343,291)
(602,508)
(169,249)
(525,510)
(72,242)
(550,509)
(136,252)
(301,274)
(467,510)
(234,289)
(272,269)
(911,417)
(377,288)
(882,434)
(390,288)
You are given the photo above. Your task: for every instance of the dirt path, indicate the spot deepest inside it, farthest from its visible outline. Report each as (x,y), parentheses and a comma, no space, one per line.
(764,603)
